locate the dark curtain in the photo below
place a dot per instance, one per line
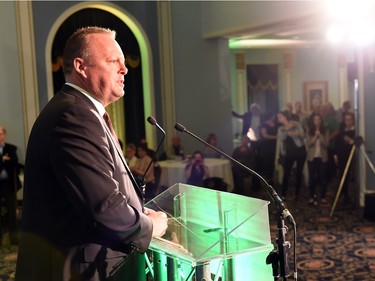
(134, 110)
(263, 88)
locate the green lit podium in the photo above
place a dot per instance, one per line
(211, 234)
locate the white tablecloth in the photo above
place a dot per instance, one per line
(173, 171)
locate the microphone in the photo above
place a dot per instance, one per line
(153, 122)
(275, 197)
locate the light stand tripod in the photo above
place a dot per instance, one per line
(358, 143)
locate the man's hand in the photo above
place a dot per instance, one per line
(6, 157)
(159, 221)
(147, 211)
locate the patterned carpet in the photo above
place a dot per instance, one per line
(341, 247)
(8, 257)
(337, 247)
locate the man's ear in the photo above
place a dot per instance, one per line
(79, 66)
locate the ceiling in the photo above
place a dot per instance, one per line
(301, 31)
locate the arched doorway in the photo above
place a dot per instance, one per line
(129, 116)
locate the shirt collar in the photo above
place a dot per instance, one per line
(97, 104)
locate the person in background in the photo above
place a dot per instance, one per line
(150, 152)
(302, 117)
(317, 140)
(130, 155)
(345, 108)
(9, 184)
(196, 171)
(330, 122)
(207, 151)
(176, 150)
(290, 136)
(244, 155)
(344, 144)
(316, 109)
(83, 216)
(250, 119)
(140, 170)
(267, 146)
(289, 109)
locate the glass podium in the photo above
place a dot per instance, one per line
(211, 234)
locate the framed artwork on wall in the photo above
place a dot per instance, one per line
(315, 94)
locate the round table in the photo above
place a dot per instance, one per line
(173, 171)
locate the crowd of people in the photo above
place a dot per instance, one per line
(143, 161)
(312, 147)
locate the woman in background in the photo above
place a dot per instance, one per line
(317, 141)
(207, 151)
(140, 169)
(290, 136)
(130, 156)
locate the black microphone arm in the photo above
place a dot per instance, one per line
(272, 193)
(153, 122)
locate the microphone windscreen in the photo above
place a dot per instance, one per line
(151, 120)
(179, 127)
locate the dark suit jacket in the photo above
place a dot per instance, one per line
(246, 120)
(80, 209)
(11, 166)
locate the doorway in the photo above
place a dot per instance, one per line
(262, 85)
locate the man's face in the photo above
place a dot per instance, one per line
(198, 158)
(176, 140)
(2, 135)
(130, 152)
(105, 69)
(298, 106)
(348, 120)
(141, 152)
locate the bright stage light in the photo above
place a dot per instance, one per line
(354, 21)
(335, 34)
(362, 33)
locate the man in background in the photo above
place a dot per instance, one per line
(9, 184)
(176, 150)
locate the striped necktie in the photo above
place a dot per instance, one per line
(108, 122)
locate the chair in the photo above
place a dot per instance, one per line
(215, 183)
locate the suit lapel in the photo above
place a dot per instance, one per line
(121, 155)
(73, 91)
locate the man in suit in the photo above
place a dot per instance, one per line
(9, 184)
(252, 120)
(83, 214)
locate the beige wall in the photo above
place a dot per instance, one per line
(11, 112)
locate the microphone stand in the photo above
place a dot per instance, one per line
(152, 121)
(279, 258)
